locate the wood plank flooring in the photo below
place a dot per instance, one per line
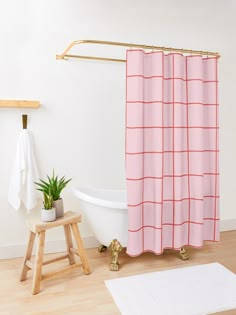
(76, 293)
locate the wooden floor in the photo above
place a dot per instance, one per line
(76, 293)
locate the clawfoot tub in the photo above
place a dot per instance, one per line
(107, 213)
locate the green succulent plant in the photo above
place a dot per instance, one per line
(52, 186)
(47, 201)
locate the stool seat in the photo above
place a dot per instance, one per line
(36, 227)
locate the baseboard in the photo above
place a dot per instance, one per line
(227, 225)
(18, 250)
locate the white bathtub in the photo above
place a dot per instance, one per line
(106, 212)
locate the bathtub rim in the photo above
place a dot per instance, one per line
(84, 196)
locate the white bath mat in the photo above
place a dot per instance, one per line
(195, 290)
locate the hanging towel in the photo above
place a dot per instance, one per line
(24, 173)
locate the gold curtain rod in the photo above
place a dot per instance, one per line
(66, 56)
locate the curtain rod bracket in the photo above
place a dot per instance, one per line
(61, 57)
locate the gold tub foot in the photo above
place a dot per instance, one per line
(102, 248)
(183, 254)
(115, 248)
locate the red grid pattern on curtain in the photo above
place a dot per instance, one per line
(171, 151)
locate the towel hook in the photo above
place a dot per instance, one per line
(24, 121)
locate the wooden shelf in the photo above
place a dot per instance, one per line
(19, 104)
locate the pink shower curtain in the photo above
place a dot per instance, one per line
(171, 151)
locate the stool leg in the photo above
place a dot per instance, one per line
(69, 243)
(38, 263)
(28, 254)
(80, 247)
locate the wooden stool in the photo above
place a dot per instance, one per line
(69, 221)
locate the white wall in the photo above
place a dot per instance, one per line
(79, 129)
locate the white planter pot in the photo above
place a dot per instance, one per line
(48, 215)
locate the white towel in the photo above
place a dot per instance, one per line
(24, 174)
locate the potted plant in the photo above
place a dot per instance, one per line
(54, 186)
(48, 213)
